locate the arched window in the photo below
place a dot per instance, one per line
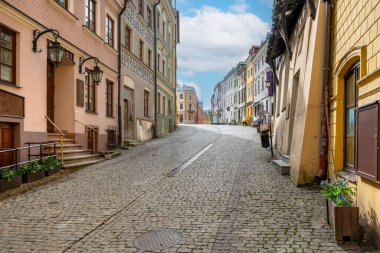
(351, 95)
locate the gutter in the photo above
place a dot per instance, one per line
(324, 142)
(155, 64)
(119, 70)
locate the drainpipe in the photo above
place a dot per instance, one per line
(155, 63)
(119, 70)
(324, 149)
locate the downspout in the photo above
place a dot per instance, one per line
(324, 149)
(119, 70)
(155, 64)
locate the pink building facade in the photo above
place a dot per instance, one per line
(33, 89)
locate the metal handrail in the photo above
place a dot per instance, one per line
(61, 136)
(93, 129)
(94, 135)
(59, 130)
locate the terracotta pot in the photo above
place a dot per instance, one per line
(5, 185)
(344, 220)
(31, 177)
(53, 171)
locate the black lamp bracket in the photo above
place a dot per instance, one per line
(37, 34)
(82, 61)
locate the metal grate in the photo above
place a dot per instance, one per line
(157, 240)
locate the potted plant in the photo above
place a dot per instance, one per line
(9, 179)
(51, 166)
(32, 172)
(342, 215)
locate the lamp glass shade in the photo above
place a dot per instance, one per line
(97, 74)
(56, 52)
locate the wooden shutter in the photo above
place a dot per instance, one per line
(80, 93)
(367, 149)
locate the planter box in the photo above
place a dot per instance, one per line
(5, 185)
(53, 171)
(31, 177)
(344, 220)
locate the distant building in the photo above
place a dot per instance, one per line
(187, 105)
(200, 113)
(207, 117)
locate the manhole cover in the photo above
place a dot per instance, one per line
(157, 240)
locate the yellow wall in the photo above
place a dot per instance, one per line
(355, 38)
(249, 82)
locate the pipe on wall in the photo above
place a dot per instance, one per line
(155, 63)
(119, 70)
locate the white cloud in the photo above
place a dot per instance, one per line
(240, 7)
(216, 40)
(194, 85)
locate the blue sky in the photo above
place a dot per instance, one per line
(215, 36)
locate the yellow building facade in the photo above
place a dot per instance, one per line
(249, 90)
(355, 84)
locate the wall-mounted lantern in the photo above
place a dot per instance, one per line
(55, 51)
(96, 72)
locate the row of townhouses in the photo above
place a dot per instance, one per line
(93, 74)
(244, 95)
(322, 67)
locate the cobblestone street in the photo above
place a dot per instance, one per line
(228, 200)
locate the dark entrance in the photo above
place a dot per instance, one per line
(50, 95)
(91, 143)
(6, 142)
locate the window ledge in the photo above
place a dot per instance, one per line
(92, 34)
(65, 12)
(110, 48)
(91, 112)
(10, 85)
(347, 174)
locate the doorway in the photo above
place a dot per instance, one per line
(292, 110)
(6, 142)
(91, 143)
(50, 96)
(170, 116)
(129, 128)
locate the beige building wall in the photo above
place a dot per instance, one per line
(355, 40)
(189, 107)
(298, 99)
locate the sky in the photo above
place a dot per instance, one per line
(214, 36)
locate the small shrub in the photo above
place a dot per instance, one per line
(338, 191)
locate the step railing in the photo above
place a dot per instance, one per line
(61, 136)
(93, 135)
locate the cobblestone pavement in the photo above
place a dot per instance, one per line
(229, 200)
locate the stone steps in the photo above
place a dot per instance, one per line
(82, 164)
(80, 159)
(282, 167)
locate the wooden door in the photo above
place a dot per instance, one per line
(91, 144)
(6, 142)
(128, 119)
(50, 96)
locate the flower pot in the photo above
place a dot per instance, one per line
(5, 185)
(31, 177)
(53, 171)
(344, 220)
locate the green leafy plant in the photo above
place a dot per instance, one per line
(50, 163)
(338, 191)
(8, 174)
(33, 167)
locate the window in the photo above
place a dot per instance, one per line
(350, 116)
(89, 92)
(262, 82)
(128, 33)
(190, 105)
(170, 73)
(190, 96)
(181, 106)
(141, 50)
(146, 103)
(158, 62)
(90, 14)
(109, 99)
(141, 7)
(158, 20)
(150, 58)
(181, 118)
(149, 16)
(163, 28)
(159, 103)
(181, 96)
(63, 3)
(163, 66)
(8, 55)
(109, 31)
(164, 105)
